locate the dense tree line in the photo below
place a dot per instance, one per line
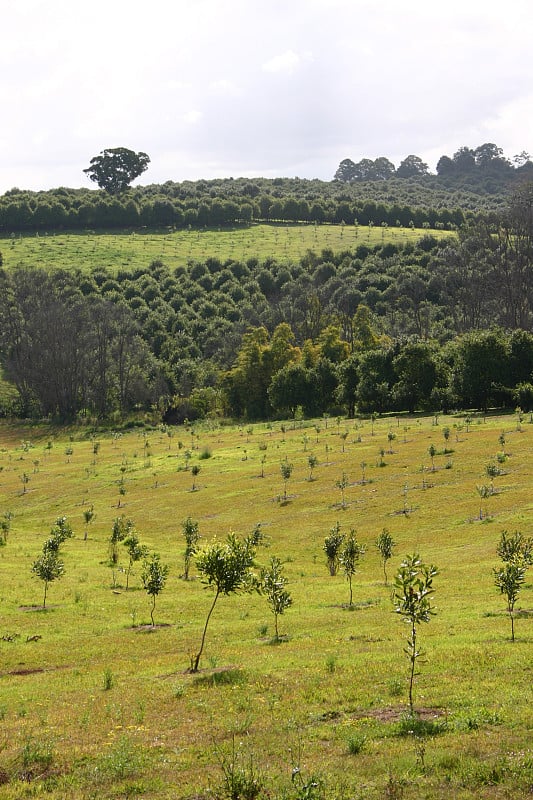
(485, 164)
(237, 334)
(75, 210)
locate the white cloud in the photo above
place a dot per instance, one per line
(286, 62)
(209, 88)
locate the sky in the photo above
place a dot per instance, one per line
(249, 88)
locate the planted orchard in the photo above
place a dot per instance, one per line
(154, 727)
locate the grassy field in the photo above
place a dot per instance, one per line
(131, 250)
(95, 703)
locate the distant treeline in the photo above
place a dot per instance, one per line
(65, 209)
(216, 335)
(421, 202)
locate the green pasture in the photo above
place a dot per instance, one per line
(95, 703)
(131, 250)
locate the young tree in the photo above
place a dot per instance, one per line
(385, 544)
(136, 551)
(48, 568)
(515, 547)
(122, 528)
(332, 548)
(88, 516)
(5, 526)
(154, 576)
(312, 461)
(341, 484)
(509, 579)
(349, 559)
(195, 471)
(413, 589)
(116, 167)
(192, 536)
(484, 492)
(273, 584)
(227, 568)
(286, 472)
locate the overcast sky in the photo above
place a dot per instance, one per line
(219, 88)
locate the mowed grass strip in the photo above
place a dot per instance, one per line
(89, 681)
(130, 250)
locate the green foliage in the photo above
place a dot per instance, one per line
(385, 544)
(240, 779)
(154, 576)
(226, 567)
(332, 548)
(115, 168)
(121, 530)
(48, 567)
(516, 553)
(412, 599)
(515, 547)
(5, 527)
(273, 584)
(286, 472)
(349, 558)
(190, 529)
(136, 552)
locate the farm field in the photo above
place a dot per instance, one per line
(130, 250)
(95, 702)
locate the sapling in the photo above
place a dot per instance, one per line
(136, 551)
(509, 579)
(227, 567)
(432, 450)
(192, 536)
(413, 588)
(385, 544)
(5, 525)
(341, 484)
(88, 516)
(312, 461)
(484, 492)
(48, 567)
(195, 471)
(154, 576)
(332, 548)
(515, 547)
(286, 472)
(349, 559)
(273, 584)
(122, 528)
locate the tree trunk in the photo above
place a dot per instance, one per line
(199, 654)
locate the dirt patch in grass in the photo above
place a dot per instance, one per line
(150, 628)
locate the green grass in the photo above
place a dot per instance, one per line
(130, 250)
(94, 702)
